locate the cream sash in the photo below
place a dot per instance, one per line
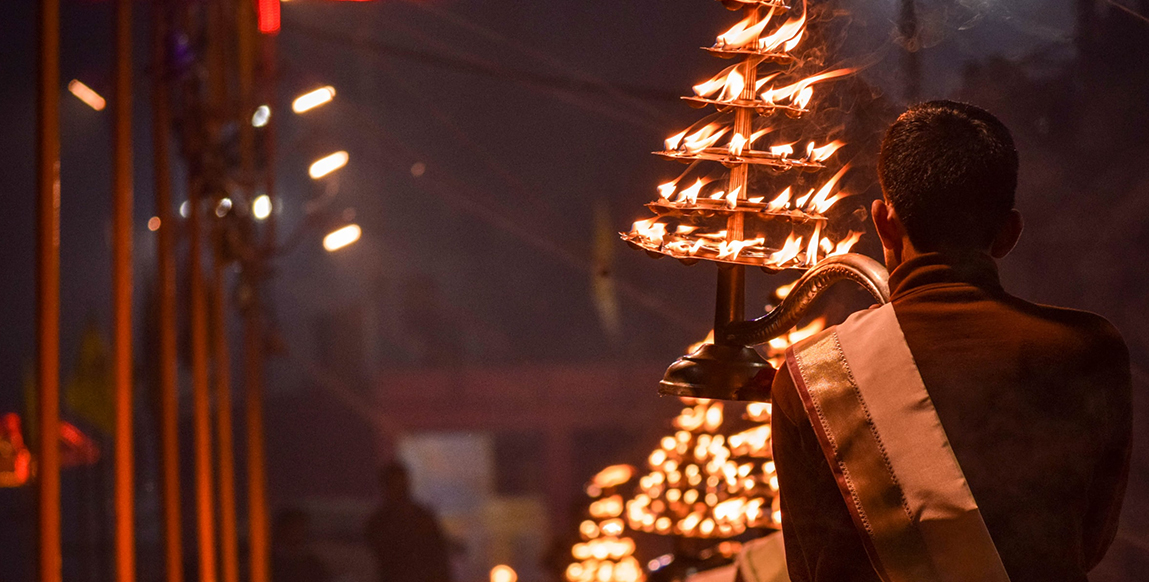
(889, 453)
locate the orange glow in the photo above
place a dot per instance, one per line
(154, 223)
(730, 80)
(799, 94)
(821, 154)
(313, 99)
(798, 334)
(788, 251)
(342, 237)
(651, 230)
(87, 95)
(503, 573)
(15, 458)
(737, 143)
(846, 244)
(782, 150)
(703, 138)
(690, 195)
(822, 201)
(743, 33)
(787, 36)
(613, 476)
(782, 201)
(327, 164)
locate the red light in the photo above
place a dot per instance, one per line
(268, 14)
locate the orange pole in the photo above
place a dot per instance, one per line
(229, 548)
(253, 339)
(166, 274)
(256, 477)
(48, 290)
(201, 398)
(124, 497)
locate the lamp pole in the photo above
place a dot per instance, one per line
(166, 283)
(48, 290)
(124, 496)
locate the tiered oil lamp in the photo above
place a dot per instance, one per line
(714, 476)
(706, 480)
(606, 553)
(769, 218)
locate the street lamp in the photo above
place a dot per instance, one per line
(87, 95)
(261, 116)
(327, 164)
(313, 99)
(261, 207)
(341, 237)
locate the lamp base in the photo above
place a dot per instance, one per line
(722, 372)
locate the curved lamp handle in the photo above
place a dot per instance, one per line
(866, 272)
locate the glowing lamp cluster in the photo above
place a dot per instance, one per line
(706, 480)
(775, 224)
(605, 553)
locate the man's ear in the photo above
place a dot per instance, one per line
(888, 227)
(1008, 235)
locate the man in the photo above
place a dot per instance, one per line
(1023, 478)
(404, 536)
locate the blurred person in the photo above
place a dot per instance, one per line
(405, 537)
(292, 559)
(958, 433)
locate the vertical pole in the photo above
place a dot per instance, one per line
(48, 290)
(731, 301)
(253, 410)
(253, 340)
(220, 111)
(227, 532)
(201, 397)
(124, 496)
(166, 274)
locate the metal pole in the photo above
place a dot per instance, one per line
(253, 340)
(220, 111)
(48, 290)
(731, 301)
(253, 409)
(201, 397)
(227, 531)
(166, 274)
(124, 496)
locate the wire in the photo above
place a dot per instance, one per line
(471, 65)
(1128, 10)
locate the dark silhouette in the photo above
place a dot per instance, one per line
(292, 560)
(405, 537)
(1035, 400)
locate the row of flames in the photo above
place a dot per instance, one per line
(705, 481)
(676, 230)
(605, 553)
(705, 484)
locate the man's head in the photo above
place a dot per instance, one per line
(948, 172)
(394, 482)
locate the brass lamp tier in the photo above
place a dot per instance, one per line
(734, 229)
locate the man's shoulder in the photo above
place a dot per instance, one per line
(1080, 332)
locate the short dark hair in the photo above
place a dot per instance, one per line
(950, 172)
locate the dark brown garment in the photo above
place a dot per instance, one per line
(1036, 402)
